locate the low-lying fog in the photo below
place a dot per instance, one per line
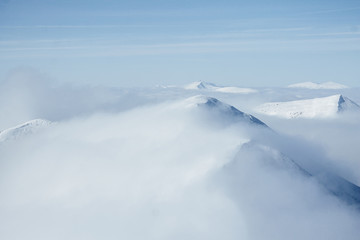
(154, 164)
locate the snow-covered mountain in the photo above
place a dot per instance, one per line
(336, 185)
(200, 85)
(311, 85)
(24, 129)
(225, 112)
(309, 108)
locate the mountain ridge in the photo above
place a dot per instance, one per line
(324, 107)
(222, 109)
(23, 129)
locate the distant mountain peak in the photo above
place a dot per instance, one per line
(309, 108)
(23, 129)
(200, 85)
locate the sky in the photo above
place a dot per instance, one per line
(147, 43)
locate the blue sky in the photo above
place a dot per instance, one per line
(145, 43)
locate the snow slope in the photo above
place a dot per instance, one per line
(24, 129)
(200, 85)
(212, 87)
(309, 108)
(336, 185)
(225, 112)
(311, 85)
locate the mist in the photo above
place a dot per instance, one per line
(27, 94)
(165, 169)
(337, 138)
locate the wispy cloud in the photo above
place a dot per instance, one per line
(330, 34)
(69, 26)
(330, 11)
(294, 29)
(192, 47)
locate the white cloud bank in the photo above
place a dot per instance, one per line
(311, 85)
(167, 171)
(126, 164)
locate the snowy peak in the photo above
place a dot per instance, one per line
(212, 87)
(311, 85)
(345, 104)
(309, 108)
(24, 129)
(225, 112)
(336, 185)
(274, 157)
(200, 85)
